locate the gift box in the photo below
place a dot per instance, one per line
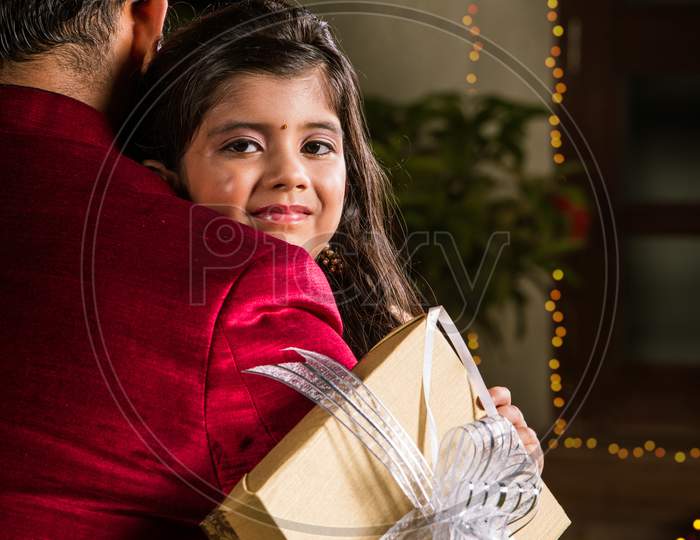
(320, 481)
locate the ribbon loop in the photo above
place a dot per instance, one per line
(482, 478)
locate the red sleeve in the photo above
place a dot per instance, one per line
(282, 299)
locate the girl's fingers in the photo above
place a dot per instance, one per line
(513, 414)
(500, 395)
(532, 446)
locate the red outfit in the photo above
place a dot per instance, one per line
(127, 318)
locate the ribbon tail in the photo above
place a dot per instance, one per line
(313, 385)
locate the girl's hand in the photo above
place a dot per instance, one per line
(504, 407)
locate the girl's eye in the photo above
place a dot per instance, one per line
(242, 146)
(314, 146)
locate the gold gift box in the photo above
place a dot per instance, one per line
(321, 482)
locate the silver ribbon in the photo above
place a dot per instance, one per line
(483, 479)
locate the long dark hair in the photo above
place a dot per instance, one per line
(373, 292)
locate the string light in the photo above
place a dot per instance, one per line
(475, 53)
(649, 449)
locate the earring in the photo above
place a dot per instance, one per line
(331, 260)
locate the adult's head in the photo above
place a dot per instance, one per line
(90, 50)
(234, 62)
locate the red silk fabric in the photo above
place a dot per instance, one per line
(127, 318)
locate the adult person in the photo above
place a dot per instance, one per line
(127, 313)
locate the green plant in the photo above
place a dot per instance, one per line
(460, 167)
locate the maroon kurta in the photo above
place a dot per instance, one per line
(127, 318)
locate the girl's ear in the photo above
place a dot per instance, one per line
(166, 174)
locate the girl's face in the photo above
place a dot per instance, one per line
(270, 155)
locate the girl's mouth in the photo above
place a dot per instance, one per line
(281, 213)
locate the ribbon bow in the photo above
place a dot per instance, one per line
(483, 478)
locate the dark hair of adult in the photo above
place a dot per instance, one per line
(75, 29)
(271, 37)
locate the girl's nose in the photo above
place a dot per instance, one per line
(288, 174)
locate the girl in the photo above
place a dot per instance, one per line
(255, 111)
(263, 121)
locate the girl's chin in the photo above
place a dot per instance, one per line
(312, 247)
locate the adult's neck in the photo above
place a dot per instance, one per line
(45, 72)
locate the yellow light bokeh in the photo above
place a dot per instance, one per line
(549, 305)
(556, 387)
(558, 402)
(552, 4)
(568, 442)
(679, 457)
(591, 443)
(558, 274)
(474, 56)
(553, 120)
(649, 446)
(556, 143)
(557, 98)
(613, 448)
(554, 363)
(557, 316)
(477, 360)
(623, 453)
(558, 30)
(557, 341)
(696, 524)
(637, 452)
(555, 134)
(466, 20)
(550, 62)
(471, 78)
